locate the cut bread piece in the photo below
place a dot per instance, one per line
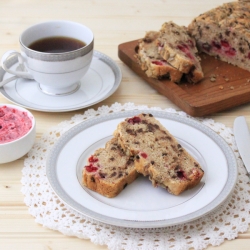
(158, 154)
(109, 170)
(178, 48)
(151, 62)
(224, 32)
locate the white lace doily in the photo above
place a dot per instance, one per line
(225, 223)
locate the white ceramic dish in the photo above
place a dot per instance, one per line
(140, 205)
(102, 80)
(13, 150)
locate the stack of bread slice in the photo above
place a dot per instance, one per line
(141, 145)
(170, 53)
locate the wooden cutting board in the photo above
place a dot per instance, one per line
(223, 87)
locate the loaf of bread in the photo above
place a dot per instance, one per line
(158, 154)
(109, 170)
(151, 61)
(224, 32)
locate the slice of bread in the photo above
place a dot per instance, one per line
(158, 154)
(178, 48)
(151, 62)
(109, 170)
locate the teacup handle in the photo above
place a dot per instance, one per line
(23, 71)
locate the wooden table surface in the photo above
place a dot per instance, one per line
(113, 22)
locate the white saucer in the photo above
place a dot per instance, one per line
(101, 81)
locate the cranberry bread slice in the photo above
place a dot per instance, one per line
(179, 49)
(224, 32)
(158, 154)
(109, 170)
(151, 62)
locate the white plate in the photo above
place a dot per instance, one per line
(140, 205)
(101, 81)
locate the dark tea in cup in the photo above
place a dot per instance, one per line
(57, 44)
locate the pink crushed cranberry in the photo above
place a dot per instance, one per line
(181, 174)
(224, 43)
(144, 155)
(92, 159)
(157, 63)
(91, 168)
(231, 52)
(134, 120)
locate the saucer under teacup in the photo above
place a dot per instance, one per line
(101, 80)
(63, 91)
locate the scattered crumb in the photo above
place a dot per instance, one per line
(232, 87)
(226, 79)
(248, 80)
(7, 186)
(221, 87)
(212, 79)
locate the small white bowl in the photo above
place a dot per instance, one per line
(13, 150)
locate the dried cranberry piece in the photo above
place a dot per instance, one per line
(90, 168)
(102, 175)
(181, 174)
(248, 55)
(231, 52)
(216, 45)
(184, 48)
(189, 55)
(92, 158)
(134, 120)
(144, 155)
(157, 63)
(224, 43)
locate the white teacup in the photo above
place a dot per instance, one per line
(59, 72)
